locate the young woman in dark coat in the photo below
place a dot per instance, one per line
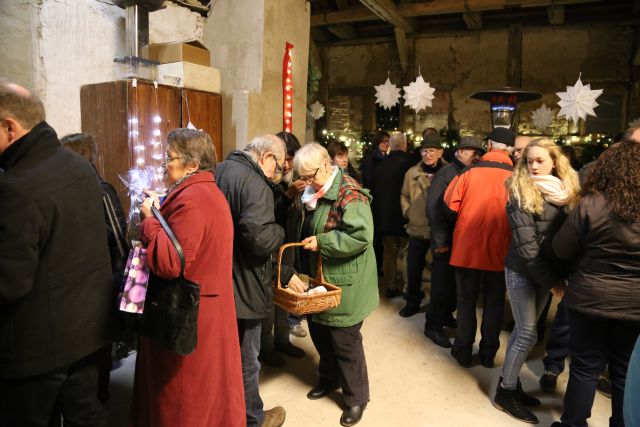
(542, 189)
(602, 235)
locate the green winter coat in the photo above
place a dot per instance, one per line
(347, 253)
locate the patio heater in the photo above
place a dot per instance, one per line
(504, 104)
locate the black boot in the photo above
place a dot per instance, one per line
(507, 401)
(352, 415)
(525, 399)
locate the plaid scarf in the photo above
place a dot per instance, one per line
(349, 191)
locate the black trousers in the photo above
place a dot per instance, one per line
(442, 296)
(596, 341)
(342, 361)
(30, 402)
(468, 284)
(416, 261)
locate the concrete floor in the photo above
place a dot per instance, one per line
(414, 383)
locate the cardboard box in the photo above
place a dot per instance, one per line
(192, 76)
(191, 51)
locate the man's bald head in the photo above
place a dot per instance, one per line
(20, 104)
(521, 143)
(398, 141)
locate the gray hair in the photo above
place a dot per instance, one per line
(309, 157)
(397, 141)
(263, 143)
(500, 146)
(21, 104)
(194, 146)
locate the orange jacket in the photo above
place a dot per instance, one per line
(479, 197)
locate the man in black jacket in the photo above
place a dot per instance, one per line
(244, 178)
(387, 213)
(56, 295)
(442, 299)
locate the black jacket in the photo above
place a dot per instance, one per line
(606, 282)
(440, 223)
(57, 300)
(387, 186)
(256, 235)
(528, 231)
(370, 162)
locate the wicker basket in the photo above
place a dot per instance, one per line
(300, 304)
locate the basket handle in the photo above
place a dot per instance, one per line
(319, 275)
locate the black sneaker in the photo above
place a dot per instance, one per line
(604, 386)
(409, 310)
(507, 401)
(549, 381)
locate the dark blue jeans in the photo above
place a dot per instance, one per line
(416, 261)
(596, 341)
(558, 344)
(249, 331)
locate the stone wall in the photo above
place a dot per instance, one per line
(459, 65)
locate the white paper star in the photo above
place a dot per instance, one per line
(578, 101)
(317, 110)
(418, 95)
(387, 94)
(542, 117)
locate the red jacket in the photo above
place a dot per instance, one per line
(479, 197)
(204, 388)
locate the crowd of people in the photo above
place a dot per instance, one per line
(504, 217)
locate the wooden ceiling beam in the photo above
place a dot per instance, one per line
(342, 31)
(435, 7)
(403, 48)
(473, 20)
(387, 11)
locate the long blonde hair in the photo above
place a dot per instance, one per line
(525, 192)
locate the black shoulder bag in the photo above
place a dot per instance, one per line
(170, 314)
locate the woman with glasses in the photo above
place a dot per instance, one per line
(338, 226)
(204, 388)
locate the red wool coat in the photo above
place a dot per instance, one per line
(204, 388)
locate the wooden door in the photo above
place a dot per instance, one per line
(204, 110)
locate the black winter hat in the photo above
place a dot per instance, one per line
(503, 136)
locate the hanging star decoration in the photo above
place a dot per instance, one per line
(418, 95)
(317, 110)
(387, 94)
(578, 101)
(542, 117)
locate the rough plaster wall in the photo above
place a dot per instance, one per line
(15, 22)
(457, 66)
(552, 59)
(368, 65)
(285, 21)
(233, 33)
(77, 43)
(175, 23)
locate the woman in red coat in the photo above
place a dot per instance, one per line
(204, 388)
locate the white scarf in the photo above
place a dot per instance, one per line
(553, 190)
(310, 196)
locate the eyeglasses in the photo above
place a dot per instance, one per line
(309, 177)
(429, 151)
(168, 160)
(279, 168)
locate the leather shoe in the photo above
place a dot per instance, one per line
(391, 293)
(320, 391)
(486, 361)
(352, 415)
(409, 310)
(290, 350)
(451, 322)
(462, 357)
(438, 337)
(274, 417)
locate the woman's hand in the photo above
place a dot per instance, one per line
(295, 188)
(311, 243)
(145, 206)
(297, 285)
